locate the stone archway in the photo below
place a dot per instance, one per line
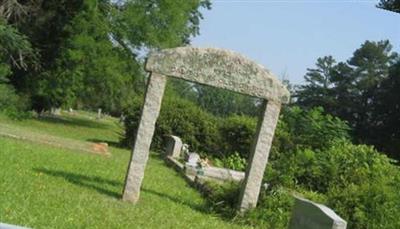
(218, 68)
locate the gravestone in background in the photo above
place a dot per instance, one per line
(218, 68)
(309, 215)
(174, 146)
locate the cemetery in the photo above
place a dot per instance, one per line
(199, 114)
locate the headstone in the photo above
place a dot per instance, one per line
(218, 68)
(309, 215)
(99, 113)
(122, 118)
(174, 146)
(57, 111)
(193, 159)
(185, 150)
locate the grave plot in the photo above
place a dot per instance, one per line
(194, 168)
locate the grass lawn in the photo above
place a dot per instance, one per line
(46, 187)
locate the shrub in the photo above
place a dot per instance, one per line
(273, 210)
(308, 129)
(178, 117)
(296, 128)
(233, 161)
(356, 181)
(237, 134)
(12, 104)
(222, 198)
(311, 154)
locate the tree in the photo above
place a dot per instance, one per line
(370, 63)
(91, 51)
(90, 72)
(149, 24)
(15, 51)
(354, 90)
(224, 103)
(387, 114)
(392, 5)
(318, 90)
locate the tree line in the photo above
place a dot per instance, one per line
(86, 54)
(364, 91)
(89, 54)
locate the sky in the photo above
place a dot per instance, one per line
(288, 36)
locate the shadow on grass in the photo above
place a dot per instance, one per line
(97, 183)
(73, 121)
(91, 182)
(176, 199)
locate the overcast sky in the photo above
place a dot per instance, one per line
(288, 36)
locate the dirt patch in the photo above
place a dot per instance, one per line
(67, 143)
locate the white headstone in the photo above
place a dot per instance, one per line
(193, 159)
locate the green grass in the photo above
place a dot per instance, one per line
(78, 126)
(46, 187)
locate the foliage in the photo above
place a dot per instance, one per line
(312, 128)
(15, 51)
(353, 91)
(91, 51)
(233, 161)
(156, 23)
(392, 5)
(222, 197)
(237, 133)
(224, 103)
(90, 72)
(178, 117)
(387, 133)
(273, 211)
(222, 137)
(355, 180)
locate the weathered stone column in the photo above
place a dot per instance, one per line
(259, 155)
(144, 135)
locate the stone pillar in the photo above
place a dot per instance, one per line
(259, 155)
(174, 146)
(144, 135)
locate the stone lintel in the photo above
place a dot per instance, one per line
(218, 68)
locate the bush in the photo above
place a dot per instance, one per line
(298, 128)
(356, 181)
(237, 134)
(273, 210)
(181, 118)
(311, 154)
(233, 161)
(11, 104)
(222, 198)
